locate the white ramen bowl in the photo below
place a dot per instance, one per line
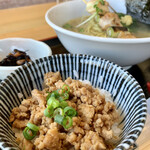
(125, 52)
(35, 49)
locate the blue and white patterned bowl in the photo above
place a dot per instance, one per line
(125, 90)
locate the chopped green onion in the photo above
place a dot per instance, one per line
(97, 18)
(67, 122)
(32, 126)
(48, 112)
(48, 96)
(60, 91)
(102, 2)
(64, 96)
(50, 100)
(67, 26)
(81, 30)
(57, 107)
(69, 111)
(55, 94)
(53, 102)
(58, 111)
(66, 88)
(97, 9)
(120, 15)
(110, 32)
(63, 104)
(29, 134)
(59, 119)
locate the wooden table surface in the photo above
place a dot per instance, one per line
(143, 141)
(27, 22)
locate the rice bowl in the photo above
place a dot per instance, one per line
(125, 92)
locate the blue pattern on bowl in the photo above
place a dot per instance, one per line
(125, 90)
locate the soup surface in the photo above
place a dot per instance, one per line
(139, 30)
(90, 28)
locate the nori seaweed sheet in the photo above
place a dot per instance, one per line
(139, 9)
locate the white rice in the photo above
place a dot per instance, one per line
(105, 94)
(20, 95)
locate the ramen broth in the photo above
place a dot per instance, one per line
(139, 30)
(90, 28)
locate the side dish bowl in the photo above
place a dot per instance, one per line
(35, 49)
(125, 91)
(125, 52)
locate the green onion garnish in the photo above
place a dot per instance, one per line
(81, 30)
(53, 102)
(58, 111)
(60, 94)
(48, 96)
(67, 26)
(64, 96)
(59, 119)
(67, 122)
(102, 2)
(29, 134)
(97, 9)
(48, 112)
(55, 94)
(63, 104)
(58, 108)
(66, 88)
(110, 32)
(120, 15)
(33, 127)
(69, 111)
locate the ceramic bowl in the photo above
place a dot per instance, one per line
(35, 49)
(125, 52)
(125, 92)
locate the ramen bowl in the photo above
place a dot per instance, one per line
(35, 49)
(125, 52)
(125, 91)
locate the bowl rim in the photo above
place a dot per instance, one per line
(24, 39)
(88, 37)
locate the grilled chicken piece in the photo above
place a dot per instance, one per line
(109, 20)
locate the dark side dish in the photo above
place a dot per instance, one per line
(16, 58)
